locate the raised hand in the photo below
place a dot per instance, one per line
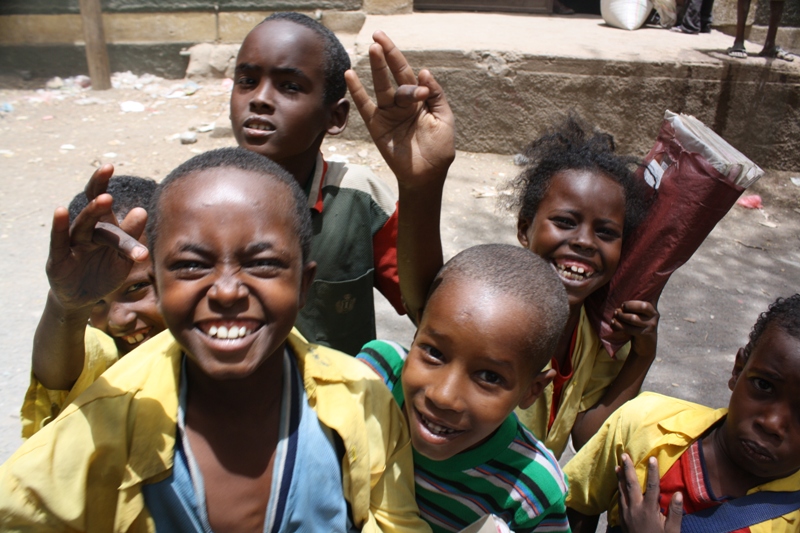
(93, 257)
(640, 320)
(413, 125)
(640, 513)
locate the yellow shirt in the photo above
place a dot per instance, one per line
(593, 371)
(658, 426)
(84, 470)
(41, 405)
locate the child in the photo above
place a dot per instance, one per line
(230, 420)
(706, 456)
(289, 93)
(491, 322)
(68, 355)
(770, 49)
(577, 202)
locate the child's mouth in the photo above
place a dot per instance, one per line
(228, 329)
(435, 429)
(256, 126)
(574, 272)
(136, 337)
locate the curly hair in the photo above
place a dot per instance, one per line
(574, 145)
(335, 60)
(128, 192)
(783, 313)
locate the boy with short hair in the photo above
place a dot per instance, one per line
(229, 421)
(120, 308)
(491, 322)
(706, 456)
(289, 92)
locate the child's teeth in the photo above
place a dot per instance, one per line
(222, 332)
(212, 331)
(242, 331)
(139, 337)
(233, 332)
(130, 340)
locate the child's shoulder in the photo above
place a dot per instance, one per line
(651, 406)
(360, 178)
(535, 459)
(328, 364)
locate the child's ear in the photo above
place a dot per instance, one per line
(523, 226)
(536, 388)
(309, 271)
(338, 116)
(738, 366)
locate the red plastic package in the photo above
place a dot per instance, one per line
(690, 198)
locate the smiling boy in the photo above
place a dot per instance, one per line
(87, 284)
(489, 326)
(289, 93)
(709, 456)
(230, 421)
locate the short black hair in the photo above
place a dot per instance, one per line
(335, 61)
(572, 144)
(128, 192)
(516, 273)
(241, 159)
(783, 313)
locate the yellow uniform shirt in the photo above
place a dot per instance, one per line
(657, 426)
(41, 405)
(593, 371)
(84, 470)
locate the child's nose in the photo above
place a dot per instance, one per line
(263, 98)
(227, 290)
(775, 421)
(445, 394)
(584, 239)
(121, 318)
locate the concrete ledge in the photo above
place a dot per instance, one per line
(505, 87)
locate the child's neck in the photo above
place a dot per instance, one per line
(248, 398)
(725, 476)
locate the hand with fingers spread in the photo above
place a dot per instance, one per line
(412, 125)
(640, 513)
(640, 320)
(94, 255)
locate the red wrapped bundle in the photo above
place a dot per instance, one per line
(690, 196)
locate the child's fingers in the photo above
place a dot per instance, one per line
(673, 523)
(59, 235)
(112, 236)
(98, 183)
(653, 484)
(381, 77)
(83, 225)
(366, 107)
(135, 222)
(437, 102)
(630, 480)
(639, 307)
(409, 95)
(401, 70)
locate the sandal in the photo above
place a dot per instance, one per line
(737, 52)
(776, 52)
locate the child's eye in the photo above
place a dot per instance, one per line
(431, 352)
(137, 287)
(291, 87)
(492, 378)
(245, 81)
(563, 222)
(608, 234)
(188, 268)
(762, 385)
(263, 267)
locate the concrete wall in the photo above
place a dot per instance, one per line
(755, 108)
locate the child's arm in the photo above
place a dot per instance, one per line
(640, 513)
(640, 320)
(413, 128)
(86, 262)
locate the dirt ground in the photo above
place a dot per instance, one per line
(52, 140)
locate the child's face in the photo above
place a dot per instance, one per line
(467, 369)
(130, 314)
(277, 103)
(762, 430)
(578, 228)
(229, 270)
